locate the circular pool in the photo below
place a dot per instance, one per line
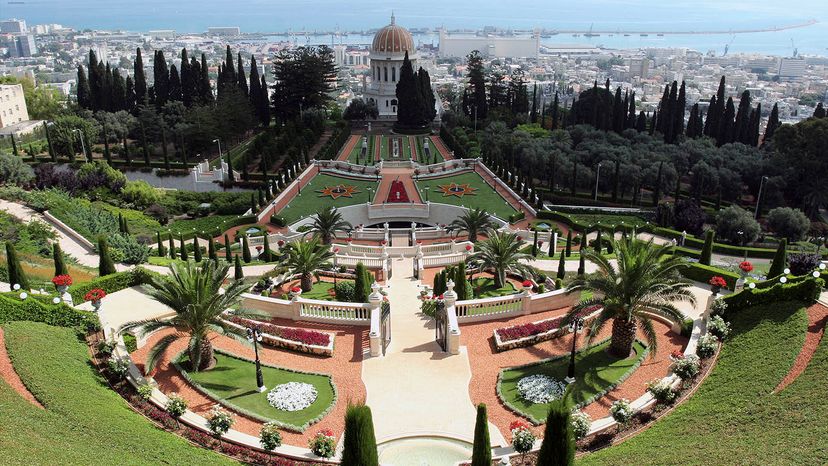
(423, 451)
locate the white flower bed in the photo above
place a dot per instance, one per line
(540, 388)
(292, 396)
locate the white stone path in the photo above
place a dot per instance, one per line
(416, 388)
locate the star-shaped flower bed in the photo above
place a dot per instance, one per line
(458, 190)
(335, 192)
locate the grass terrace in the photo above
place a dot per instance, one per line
(484, 197)
(484, 287)
(233, 382)
(595, 371)
(310, 201)
(608, 219)
(735, 416)
(85, 422)
(201, 224)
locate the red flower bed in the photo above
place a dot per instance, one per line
(397, 192)
(527, 330)
(62, 280)
(718, 281)
(306, 337)
(746, 267)
(95, 294)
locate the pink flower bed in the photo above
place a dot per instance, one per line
(306, 337)
(527, 330)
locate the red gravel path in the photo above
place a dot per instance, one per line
(345, 367)
(8, 374)
(349, 146)
(817, 319)
(441, 147)
(486, 364)
(377, 148)
(412, 142)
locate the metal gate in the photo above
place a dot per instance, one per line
(385, 326)
(441, 321)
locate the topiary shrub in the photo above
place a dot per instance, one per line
(344, 291)
(482, 451)
(269, 436)
(558, 447)
(788, 223)
(734, 219)
(359, 445)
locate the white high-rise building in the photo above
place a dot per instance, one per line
(12, 105)
(13, 26)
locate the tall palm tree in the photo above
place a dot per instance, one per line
(472, 222)
(327, 223)
(305, 258)
(195, 294)
(501, 252)
(646, 279)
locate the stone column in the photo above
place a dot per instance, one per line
(450, 298)
(375, 303)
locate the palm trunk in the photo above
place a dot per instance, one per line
(206, 354)
(623, 337)
(500, 278)
(307, 282)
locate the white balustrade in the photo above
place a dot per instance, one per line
(312, 308)
(512, 304)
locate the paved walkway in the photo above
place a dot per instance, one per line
(127, 305)
(415, 372)
(389, 175)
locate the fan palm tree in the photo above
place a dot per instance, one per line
(472, 222)
(194, 292)
(646, 279)
(327, 223)
(501, 252)
(305, 258)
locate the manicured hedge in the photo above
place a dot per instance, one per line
(720, 248)
(806, 290)
(278, 220)
(703, 273)
(517, 216)
(112, 283)
(59, 315)
(218, 231)
(580, 226)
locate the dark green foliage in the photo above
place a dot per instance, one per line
(598, 242)
(238, 273)
(196, 250)
(160, 244)
(780, 260)
(59, 315)
(482, 452)
(15, 270)
(228, 254)
(707, 250)
(558, 447)
(362, 284)
(568, 243)
(246, 250)
(57, 257)
(359, 445)
(562, 267)
(535, 244)
(105, 265)
(266, 254)
(806, 290)
(581, 265)
(182, 249)
(703, 273)
(212, 253)
(172, 248)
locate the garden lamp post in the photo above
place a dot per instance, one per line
(759, 196)
(218, 141)
(742, 241)
(575, 326)
(426, 189)
(254, 335)
(597, 176)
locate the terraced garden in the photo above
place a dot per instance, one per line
(484, 197)
(310, 200)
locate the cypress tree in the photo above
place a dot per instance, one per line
(819, 111)
(558, 446)
(581, 260)
(238, 272)
(107, 154)
(780, 260)
(266, 254)
(482, 452)
(741, 125)
(173, 254)
(196, 250)
(205, 88)
(182, 249)
(773, 123)
(562, 267)
(57, 257)
(52, 153)
(126, 226)
(598, 242)
(552, 245)
(657, 187)
(186, 80)
(160, 244)
(568, 243)
(212, 253)
(129, 95)
(707, 250)
(409, 105)
(14, 146)
(535, 243)
(360, 287)
(678, 112)
(241, 78)
(265, 102)
(161, 85)
(16, 274)
(140, 79)
(246, 250)
(105, 266)
(228, 253)
(359, 445)
(83, 91)
(120, 223)
(726, 123)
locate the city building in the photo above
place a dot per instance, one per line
(489, 46)
(386, 58)
(224, 31)
(792, 68)
(162, 34)
(13, 26)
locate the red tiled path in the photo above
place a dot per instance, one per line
(348, 148)
(8, 374)
(486, 364)
(441, 147)
(412, 143)
(817, 319)
(345, 367)
(396, 174)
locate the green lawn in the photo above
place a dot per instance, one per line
(138, 223)
(233, 381)
(356, 157)
(485, 197)
(484, 287)
(436, 155)
(310, 201)
(607, 219)
(320, 291)
(595, 371)
(734, 418)
(84, 422)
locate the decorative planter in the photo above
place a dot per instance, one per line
(62, 289)
(96, 303)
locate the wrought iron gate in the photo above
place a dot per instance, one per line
(441, 329)
(385, 326)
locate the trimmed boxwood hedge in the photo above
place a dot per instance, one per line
(806, 290)
(218, 231)
(59, 315)
(112, 283)
(703, 273)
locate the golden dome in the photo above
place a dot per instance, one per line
(393, 39)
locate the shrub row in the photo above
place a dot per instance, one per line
(217, 231)
(807, 290)
(451, 143)
(337, 140)
(579, 226)
(112, 283)
(703, 273)
(517, 216)
(59, 315)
